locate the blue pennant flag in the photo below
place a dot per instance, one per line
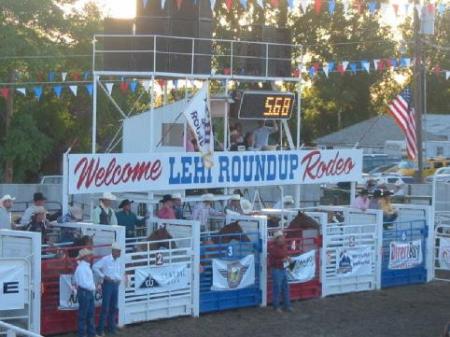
(51, 76)
(57, 89)
(330, 66)
(243, 3)
(441, 8)
(89, 88)
(37, 92)
(86, 75)
(372, 6)
(175, 84)
(133, 85)
(353, 67)
(331, 6)
(291, 4)
(394, 63)
(312, 71)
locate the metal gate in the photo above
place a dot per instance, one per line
(163, 273)
(407, 247)
(225, 261)
(20, 266)
(350, 259)
(59, 264)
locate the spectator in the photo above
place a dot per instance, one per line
(246, 206)
(6, 203)
(166, 211)
(203, 210)
(178, 206)
(288, 202)
(373, 203)
(103, 213)
(75, 214)
(128, 219)
(234, 205)
(237, 129)
(390, 214)
(84, 281)
(38, 201)
(399, 189)
(249, 141)
(39, 223)
(263, 132)
(362, 201)
(279, 261)
(111, 274)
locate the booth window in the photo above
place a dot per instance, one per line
(172, 134)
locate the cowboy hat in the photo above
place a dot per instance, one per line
(116, 246)
(7, 197)
(38, 196)
(207, 197)
(288, 199)
(83, 253)
(166, 198)
(246, 206)
(108, 196)
(177, 196)
(125, 202)
(277, 234)
(39, 210)
(76, 212)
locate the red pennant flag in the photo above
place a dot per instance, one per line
(317, 6)
(226, 71)
(358, 6)
(395, 6)
(179, 2)
(340, 69)
(430, 8)
(275, 3)
(161, 82)
(381, 65)
(123, 86)
(4, 92)
(388, 63)
(76, 75)
(316, 66)
(437, 70)
(296, 73)
(229, 4)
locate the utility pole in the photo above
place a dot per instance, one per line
(418, 91)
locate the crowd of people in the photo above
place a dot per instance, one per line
(379, 199)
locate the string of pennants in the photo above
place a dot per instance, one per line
(372, 6)
(125, 86)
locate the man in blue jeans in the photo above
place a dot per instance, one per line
(111, 274)
(279, 261)
(84, 281)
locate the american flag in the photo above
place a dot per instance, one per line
(403, 113)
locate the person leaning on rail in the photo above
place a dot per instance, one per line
(6, 203)
(103, 213)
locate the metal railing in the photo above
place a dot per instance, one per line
(176, 56)
(13, 331)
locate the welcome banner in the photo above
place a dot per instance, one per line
(139, 172)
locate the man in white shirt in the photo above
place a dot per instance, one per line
(84, 281)
(288, 202)
(111, 273)
(104, 214)
(38, 201)
(262, 134)
(203, 210)
(6, 203)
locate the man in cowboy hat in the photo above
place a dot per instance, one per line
(166, 211)
(362, 201)
(288, 202)
(234, 205)
(6, 203)
(38, 201)
(203, 210)
(111, 273)
(279, 261)
(103, 213)
(39, 223)
(178, 206)
(128, 219)
(84, 281)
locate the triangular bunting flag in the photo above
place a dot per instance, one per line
(144, 3)
(213, 4)
(407, 8)
(23, 91)
(358, 6)
(57, 89)
(330, 66)
(274, 3)
(366, 66)
(441, 8)
(291, 4)
(331, 7)
(260, 3)
(372, 7)
(405, 62)
(175, 83)
(51, 76)
(243, 3)
(437, 70)
(384, 8)
(228, 3)
(76, 75)
(325, 69)
(109, 87)
(74, 89)
(146, 84)
(394, 63)
(63, 76)
(86, 75)
(447, 75)
(312, 72)
(133, 86)
(340, 69)
(4, 92)
(37, 92)
(89, 88)
(163, 4)
(304, 5)
(179, 3)
(431, 8)
(353, 67)
(395, 7)
(376, 63)
(345, 65)
(346, 5)
(317, 6)
(418, 8)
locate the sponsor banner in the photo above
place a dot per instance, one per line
(12, 285)
(354, 261)
(131, 172)
(161, 279)
(68, 299)
(444, 253)
(232, 275)
(199, 119)
(405, 255)
(303, 267)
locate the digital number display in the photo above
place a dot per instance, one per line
(266, 105)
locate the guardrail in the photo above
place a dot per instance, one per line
(13, 331)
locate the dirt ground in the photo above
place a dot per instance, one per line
(414, 311)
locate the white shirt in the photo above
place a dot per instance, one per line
(83, 277)
(262, 135)
(201, 212)
(26, 217)
(5, 218)
(109, 267)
